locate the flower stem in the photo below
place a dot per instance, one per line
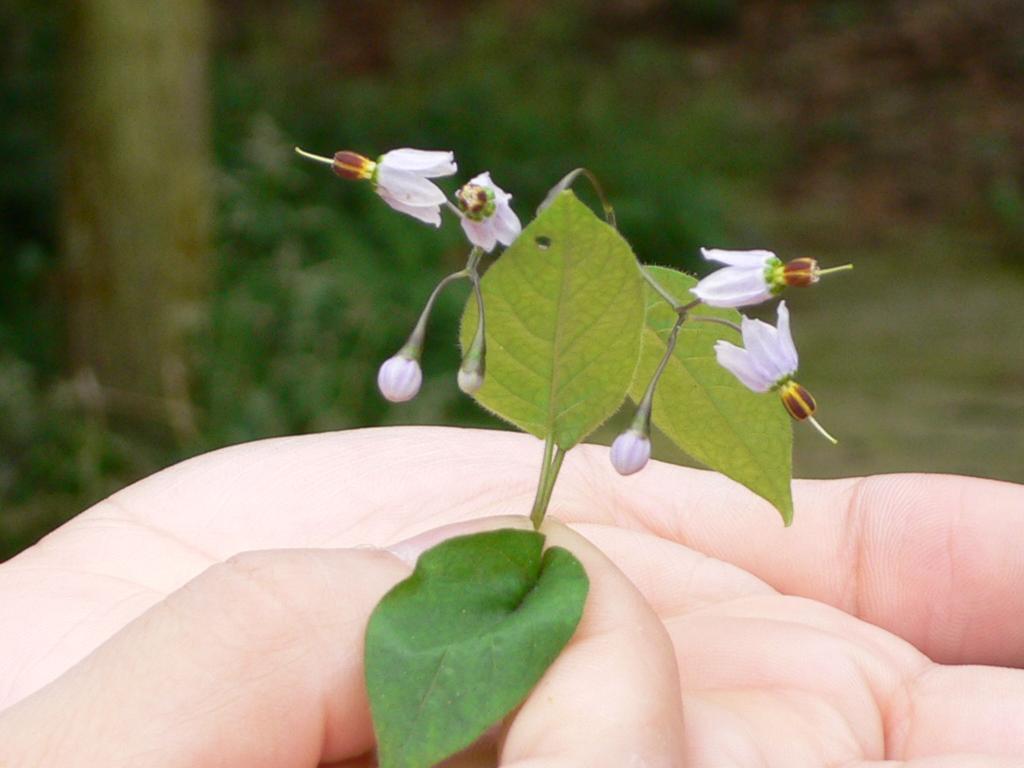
(477, 351)
(546, 482)
(660, 290)
(414, 345)
(317, 158)
(454, 209)
(473, 260)
(568, 180)
(480, 339)
(643, 411)
(719, 320)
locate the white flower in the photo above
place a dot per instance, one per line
(399, 378)
(630, 452)
(487, 218)
(401, 176)
(768, 361)
(747, 279)
(768, 356)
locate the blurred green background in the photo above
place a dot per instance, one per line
(174, 279)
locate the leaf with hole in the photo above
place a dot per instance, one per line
(460, 643)
(704, 409)
(564, 313)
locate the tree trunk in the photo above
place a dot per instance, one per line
(136, 202)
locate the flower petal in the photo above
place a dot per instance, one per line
(733, 287)
(483, 180)
(740, 364)
(761, 340)
(787, 349)
(408, 187)
(506, 224)
(422, 162)
(738, 258)
(429, 214)
(480, 233)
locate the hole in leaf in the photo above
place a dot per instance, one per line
(542, 242)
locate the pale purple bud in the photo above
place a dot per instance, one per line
(630, 452)
(399, 378)
(470, 381)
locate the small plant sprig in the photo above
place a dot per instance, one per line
(573, 326)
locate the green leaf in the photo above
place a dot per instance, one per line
(704, 409)
(564, 312)
(461, 642)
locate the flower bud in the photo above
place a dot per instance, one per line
(399, 378)
(353, 166)
(470, 381)
(798, 401)
(630, 452)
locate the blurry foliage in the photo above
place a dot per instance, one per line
(1006, 201)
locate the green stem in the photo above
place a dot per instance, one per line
(568, 180)
(660, 290)
(642, 421)
(719, 321)
(475, 355)
(414, 345)
(546, 483)
(473, 260)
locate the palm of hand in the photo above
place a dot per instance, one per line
(838, 676)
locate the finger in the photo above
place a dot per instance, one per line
(612, 697)
(673, 579)
(935, 559)
(257, 662)
(943, 761)
(959, 710)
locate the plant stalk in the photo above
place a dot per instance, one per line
(414, 345)
(546, 484)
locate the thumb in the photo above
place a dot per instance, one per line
(256, 662)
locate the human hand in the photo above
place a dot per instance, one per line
(807, 646)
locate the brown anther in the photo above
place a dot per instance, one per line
(798, 401)
(472, 198)
(352, 166)
(800, 272)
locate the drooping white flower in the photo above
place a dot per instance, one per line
(399, 378)
(401, 179)
(487, 217)
(768, 361)
(768, 356)
(751, 277)
(630, 452)
(746, 279)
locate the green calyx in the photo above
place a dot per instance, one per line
(774, 275)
